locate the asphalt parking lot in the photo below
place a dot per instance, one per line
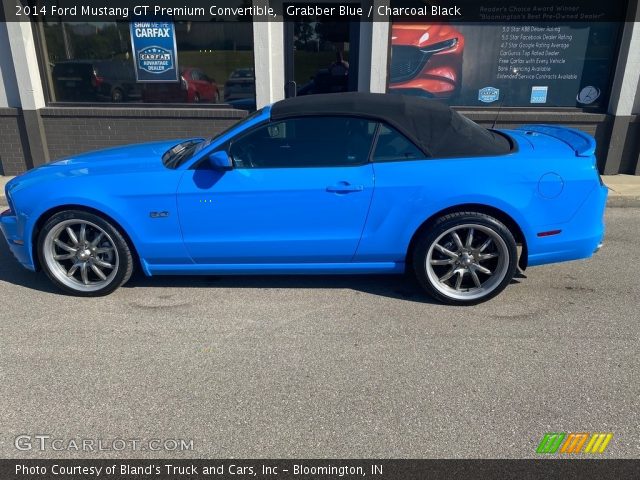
(305, 367)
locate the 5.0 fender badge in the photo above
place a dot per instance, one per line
(162, 214)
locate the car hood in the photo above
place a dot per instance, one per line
(421, 35)
(116, 160)
(127, 157)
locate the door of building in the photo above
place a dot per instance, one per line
(321, 54)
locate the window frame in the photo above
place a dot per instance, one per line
(427, 156)
(393, 129)
(49, 91)
(368, 159)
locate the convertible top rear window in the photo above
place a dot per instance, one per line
(465, 138)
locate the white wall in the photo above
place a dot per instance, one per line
(268, 39)
(625, 92)
(25, 64)
(9, 95)
(379, 53)
(635, 61)
(374, 38)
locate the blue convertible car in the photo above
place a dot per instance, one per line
(340, 183)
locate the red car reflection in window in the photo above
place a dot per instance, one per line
(426, 60)
(194, 87)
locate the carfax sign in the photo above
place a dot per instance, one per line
(154, 51)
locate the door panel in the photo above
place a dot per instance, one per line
(274, 215)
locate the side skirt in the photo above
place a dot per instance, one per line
(276, 268)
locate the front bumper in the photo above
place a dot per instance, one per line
(11, 231)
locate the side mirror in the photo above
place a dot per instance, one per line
(220, 160)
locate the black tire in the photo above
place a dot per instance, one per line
(117, 95)
(484, 270)
(110, 248)
(196, 97)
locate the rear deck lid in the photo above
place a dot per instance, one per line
(583, 144)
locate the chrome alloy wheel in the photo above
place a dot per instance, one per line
(81, 255)
(467, 262)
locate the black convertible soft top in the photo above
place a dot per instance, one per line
(435, 128)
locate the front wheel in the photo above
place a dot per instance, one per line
(465, 258)
(83, 254)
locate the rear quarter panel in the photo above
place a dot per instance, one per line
(408, 193)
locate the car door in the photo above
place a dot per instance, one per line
(299, 192)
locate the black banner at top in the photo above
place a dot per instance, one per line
(432, 11)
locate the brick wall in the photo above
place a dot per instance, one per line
(75, 130)
(71, 130)
(12, 155)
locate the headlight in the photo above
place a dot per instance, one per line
(440, 46)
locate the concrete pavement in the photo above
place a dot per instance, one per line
(624, 190)
(326, 366)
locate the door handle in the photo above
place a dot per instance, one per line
(345, 187)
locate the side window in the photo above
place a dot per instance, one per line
(305, 142)
(392, 146)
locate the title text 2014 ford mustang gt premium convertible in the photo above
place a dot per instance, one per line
(340, 183)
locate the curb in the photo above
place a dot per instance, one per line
(623, 201)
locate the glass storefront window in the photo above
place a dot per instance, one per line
(92, 62)
(321, 55)
(511, 65)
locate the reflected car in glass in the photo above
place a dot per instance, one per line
(426, 60)
(240, 85)
(95, 80)
(194, 87)
(329, 184)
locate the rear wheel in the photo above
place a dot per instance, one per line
(83, 254)
(465, 258)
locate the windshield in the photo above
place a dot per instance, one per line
(177, 155)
